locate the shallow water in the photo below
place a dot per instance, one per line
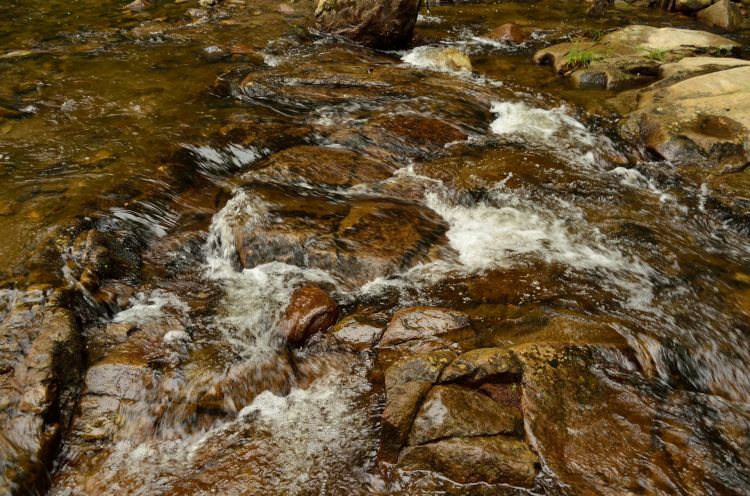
(512, 201)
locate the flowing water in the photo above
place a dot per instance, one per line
(500, 192)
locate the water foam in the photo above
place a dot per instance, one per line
(554, 130)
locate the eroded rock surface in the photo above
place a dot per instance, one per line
(378, 24)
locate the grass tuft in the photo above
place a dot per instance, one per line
(578, 59)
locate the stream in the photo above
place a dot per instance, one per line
(229, 159)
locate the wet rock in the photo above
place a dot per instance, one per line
(455, 411)
(627, 57)
(356, 334)
(704, 118)
(482, 364)
(41, 359)
(356, 240)
(383, 24)
(494, 459)
(138, 5)
(424, 367)
(401, 404)
(582, 420)
(723, 14)
(697, 66)
(116, 379)
(509, 32)
(410, 135)
(442, 59)
(422, 329)
(310, 311)
(316, 165)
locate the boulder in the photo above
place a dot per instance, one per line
(628, 57)
(422, 329)
(509, 32)
(704, 118)
(691, 6)
(482, 364)
(697, 66)
(384, 24)
(723, 14)
(310, 311)
(493, 459)
(455, 411)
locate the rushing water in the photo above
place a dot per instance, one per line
(115, 120)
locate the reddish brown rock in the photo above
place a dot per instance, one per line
(310, 311)
(423, 329)
(509, 32)
(481, 364)
(375, 23)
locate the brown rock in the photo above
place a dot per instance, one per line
(455, 411)
(401, 404)
(374, 23)
(509, 32)
(494, 459)
(356, 334)
(422, 329)
(481, 364)
(421, 367)
(321, 166)
(355, 240)
(309, 312)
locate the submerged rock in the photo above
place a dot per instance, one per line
(438, 58)
(382, 24)
(509, 32)
(310, 311)
(492, 459)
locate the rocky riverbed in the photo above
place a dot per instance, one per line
(374, 247)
